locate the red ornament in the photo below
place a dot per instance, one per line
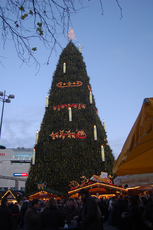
(80, 134)
(90, 183)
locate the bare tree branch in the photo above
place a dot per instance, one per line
(120, 9)
(23, 21)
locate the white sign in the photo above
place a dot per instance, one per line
(104, 175)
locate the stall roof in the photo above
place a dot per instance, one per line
(100, 188)
(9, 196)
(136, 156)
(44, 194)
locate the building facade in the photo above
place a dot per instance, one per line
(14, 167)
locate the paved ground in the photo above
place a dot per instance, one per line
(108, 227)
(105, 225)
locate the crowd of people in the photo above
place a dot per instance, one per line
(131, 212)
(87, 213)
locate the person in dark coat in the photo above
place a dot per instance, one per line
(133, 217)
(51, 218)
(69, 211)
(119, 211)
(15, 211)
(148, 212)
(23, 211)
(6, 216)
(90, 218)
(102, 206)
(31, 215)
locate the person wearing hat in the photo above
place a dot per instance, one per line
(90, 216)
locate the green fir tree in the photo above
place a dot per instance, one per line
(66, 150)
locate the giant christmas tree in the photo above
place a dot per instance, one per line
(71, 133)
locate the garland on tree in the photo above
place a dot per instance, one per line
(69, 84)
(79, 106)
(79, 134)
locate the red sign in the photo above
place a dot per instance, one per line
(24, 174)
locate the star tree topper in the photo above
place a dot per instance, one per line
(71, 35)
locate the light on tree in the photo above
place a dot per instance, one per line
(79, 48)
(70, 114)
(90, 97)
(47, 101)
(102, 153)
(34, 157)
(103, 124)
(95, 133)
(64, 67)
(37, 135)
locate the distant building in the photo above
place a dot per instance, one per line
(22, 154)
(14, 167)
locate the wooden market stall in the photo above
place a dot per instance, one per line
(11, 198)
(136, 183)
(142, 190)
(46, 195)
(100, 190)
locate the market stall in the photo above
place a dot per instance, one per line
(11, 198)
(46, 195)
(135, 179)
(99, 190)
(136, 183)
(136, 156)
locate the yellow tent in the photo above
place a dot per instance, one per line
(136, 156)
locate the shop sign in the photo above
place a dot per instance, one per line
(20, 174)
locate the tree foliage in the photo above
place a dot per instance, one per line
(66, 150)
(26, 20)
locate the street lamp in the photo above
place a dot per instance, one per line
(4, 98)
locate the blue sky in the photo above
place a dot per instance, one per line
(119, 59)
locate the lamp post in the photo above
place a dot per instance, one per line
(4, 98)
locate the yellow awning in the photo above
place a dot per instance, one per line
(136, 156)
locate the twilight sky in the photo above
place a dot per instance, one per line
(119, 59)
